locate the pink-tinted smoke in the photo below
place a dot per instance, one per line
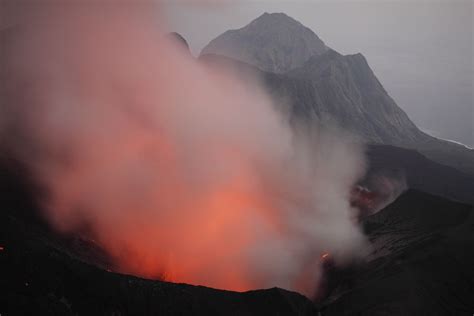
(176, 168)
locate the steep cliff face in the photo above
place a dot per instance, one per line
(273, 42)
(350, 93)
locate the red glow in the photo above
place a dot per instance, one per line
(364, 200)
(179, 170)
(204, 243)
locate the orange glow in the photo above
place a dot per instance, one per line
(205, 239)
(179, 169)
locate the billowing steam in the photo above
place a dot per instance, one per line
(177, 169)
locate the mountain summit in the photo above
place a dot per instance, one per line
(273, 42)
(319, 85)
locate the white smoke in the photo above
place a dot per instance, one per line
(176, 168)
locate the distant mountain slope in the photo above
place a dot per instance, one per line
(349, 91)
(328, 86)
(273, 42)
(420, 173)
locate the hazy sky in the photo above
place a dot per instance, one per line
(422, 51)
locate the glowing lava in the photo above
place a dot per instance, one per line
(179, 170)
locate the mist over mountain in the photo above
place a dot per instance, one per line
(425, 65)
(349, 92)
(328, 86)
(415, 232)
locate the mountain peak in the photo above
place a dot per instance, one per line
(273, 42)
(275, 16)
(276, 20)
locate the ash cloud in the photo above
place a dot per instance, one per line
(176, 168)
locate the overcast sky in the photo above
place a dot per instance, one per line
(422, 51)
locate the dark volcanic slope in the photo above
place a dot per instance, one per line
(422, 262)
(41, 280)
(44, 274)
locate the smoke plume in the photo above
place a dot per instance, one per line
(177, 169)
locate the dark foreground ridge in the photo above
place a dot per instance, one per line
(42, 280)
(42, 273)
(421, 263)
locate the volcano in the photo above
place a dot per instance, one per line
(423, 247)
(414, 204)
